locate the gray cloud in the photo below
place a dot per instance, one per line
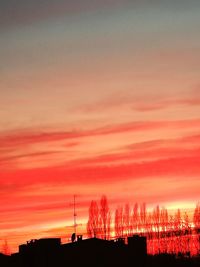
(20, 12)
(28, 11)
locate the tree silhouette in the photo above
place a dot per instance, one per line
(165, 233)
(99, 220)
(196, 220)
(143, 217)
(196, 217)
(119, 222)
(105, 217)
(93, 225)
(5, 248)
(135, 218)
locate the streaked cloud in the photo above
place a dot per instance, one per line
(96, 97)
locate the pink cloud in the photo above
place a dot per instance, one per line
(141, 103)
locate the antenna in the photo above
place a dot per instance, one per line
(73, 237)
(75, 214)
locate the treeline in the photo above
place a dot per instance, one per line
(166, 233)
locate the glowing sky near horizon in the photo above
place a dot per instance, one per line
(96, 97)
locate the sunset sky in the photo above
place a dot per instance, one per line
(96, 97)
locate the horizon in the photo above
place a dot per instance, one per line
(64, 232)
(96, 97)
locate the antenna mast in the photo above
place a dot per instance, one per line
(75, 214)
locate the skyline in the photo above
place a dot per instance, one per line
(96, 98)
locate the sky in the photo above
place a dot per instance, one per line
(96, 97)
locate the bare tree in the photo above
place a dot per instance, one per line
(105, 217)
(164, 226)
(156, 223)
(196, 218)
(5, 248)
(196, 221)
(119, 222)
(93, 224)
(143, 217)
(127, 221)
(135, 218)
(166, 233)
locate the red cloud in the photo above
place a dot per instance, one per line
(182, 166)
(140, 163)
(20, 138)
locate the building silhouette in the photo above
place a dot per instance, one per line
(92, 252)
(49, 252)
